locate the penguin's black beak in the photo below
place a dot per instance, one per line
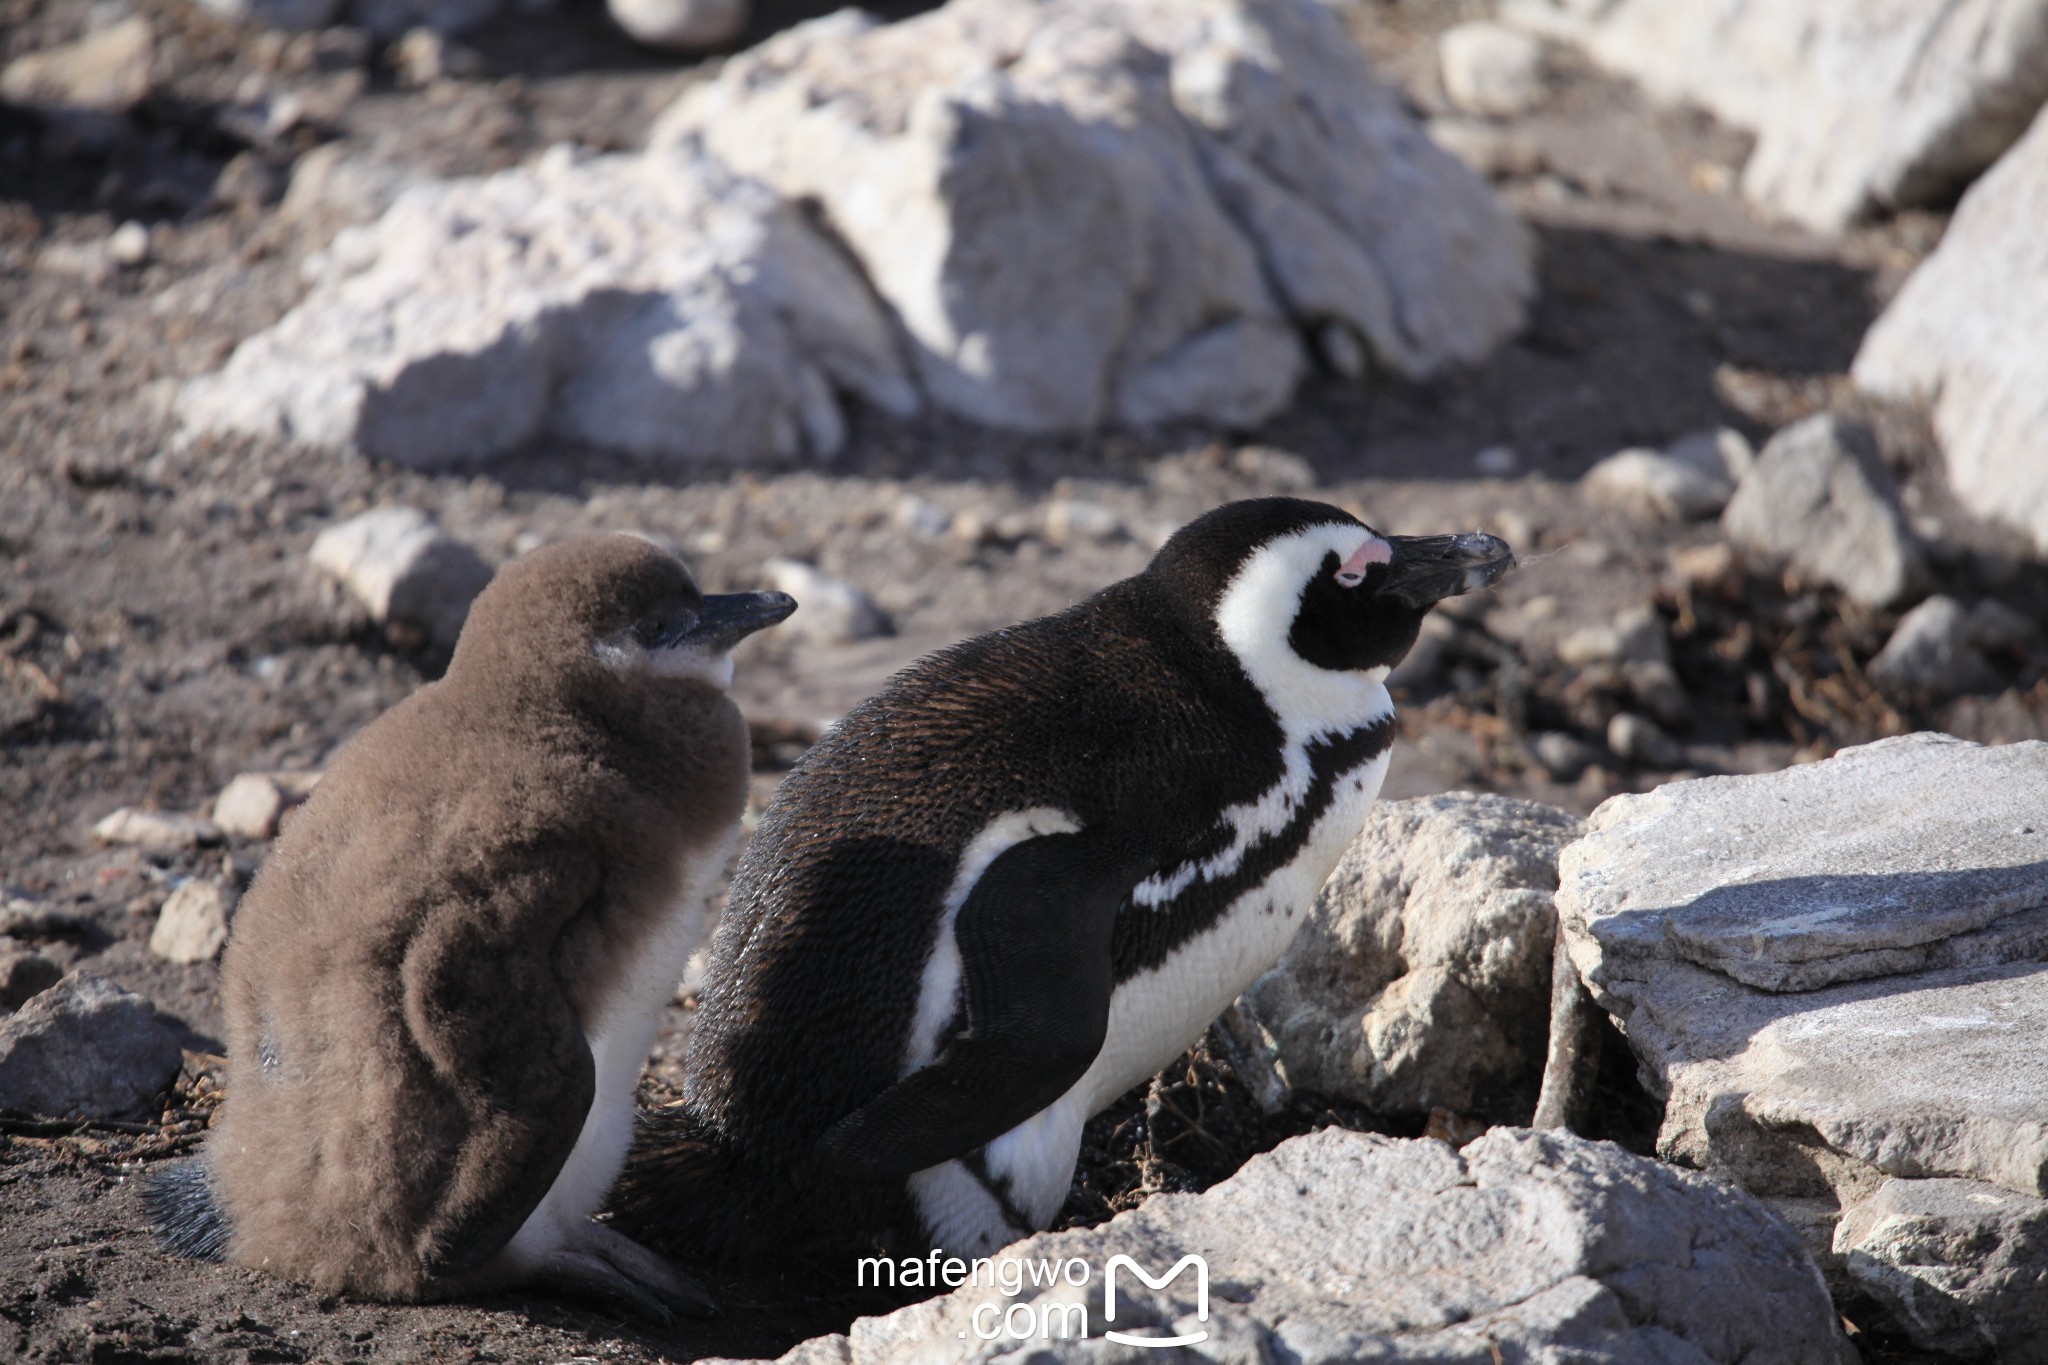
(729, 618)
(1427, 569)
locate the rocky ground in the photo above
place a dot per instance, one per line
(161, 629)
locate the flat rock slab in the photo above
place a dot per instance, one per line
(1903, 855)
(1858, 105)
(1229, 175)
(1964, 334)
(1834, 975)
(657, 305)
(1343, 1246)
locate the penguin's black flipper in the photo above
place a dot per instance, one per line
(1034, 938)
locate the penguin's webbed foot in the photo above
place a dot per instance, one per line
(599, 1263)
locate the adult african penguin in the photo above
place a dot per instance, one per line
(1023, 877)
(443, 982)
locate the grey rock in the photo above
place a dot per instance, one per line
(1931, 653)
(106, 71)
(422, 56)
(829, 610)
(1421, 976)
(1656, 684)
(1229, 174)
(1639, 740)
(1657, 487)
(23, 975)
(1489, 149)
(1959, 1265)
(86, 1048)
(656, 305)
(192, 926)
(23, 917)
(128, 244)
(1491, 69)
(1563, 756)
(1343, 1246)
(1636, 635)
(1963, 336)
(1858, 105)
(921, 517)
(252, 804)
(1833, 974)
(155, 831)
(1820, 501)
(410, 575)
(336, 179)
(1497, 462)
(1722, 453)
(1904, 855)
(683, 25)
(1076, 521)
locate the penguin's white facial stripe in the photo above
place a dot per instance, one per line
(626, 655)
(1375, 551)
(1256, 614)
(938, 992)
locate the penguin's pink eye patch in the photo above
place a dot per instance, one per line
(1375, 551)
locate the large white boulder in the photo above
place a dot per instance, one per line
(1090, 211)
(1343, 1246)
(1834, 976)
(657, 305)
(1856, 104)
(1965, 335)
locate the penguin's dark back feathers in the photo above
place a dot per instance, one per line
(1119, 710)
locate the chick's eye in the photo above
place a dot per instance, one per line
(1349, 578)
(648, 631)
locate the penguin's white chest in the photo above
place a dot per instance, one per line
(1153, 1016)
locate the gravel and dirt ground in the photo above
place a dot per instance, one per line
(160, 630)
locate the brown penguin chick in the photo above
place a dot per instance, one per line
(442, 985)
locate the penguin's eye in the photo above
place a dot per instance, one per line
(1352, 571)
(660, 628)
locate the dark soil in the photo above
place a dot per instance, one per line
(160, 630)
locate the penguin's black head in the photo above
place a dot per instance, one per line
(612, 602)
(1297, 589)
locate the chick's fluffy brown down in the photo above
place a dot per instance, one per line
(406, 977)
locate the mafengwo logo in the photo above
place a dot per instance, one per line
(1053, 1316)
(1201, 1268)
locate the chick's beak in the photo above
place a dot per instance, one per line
(1427, 569)
(729, 618)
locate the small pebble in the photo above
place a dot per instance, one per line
(1641, 741)
(155, 831)
(193, 925)
(129, 244)
(1497, 461)
(829, 610)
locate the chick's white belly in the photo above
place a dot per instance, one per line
(1153, 1017)
(619, 1040)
